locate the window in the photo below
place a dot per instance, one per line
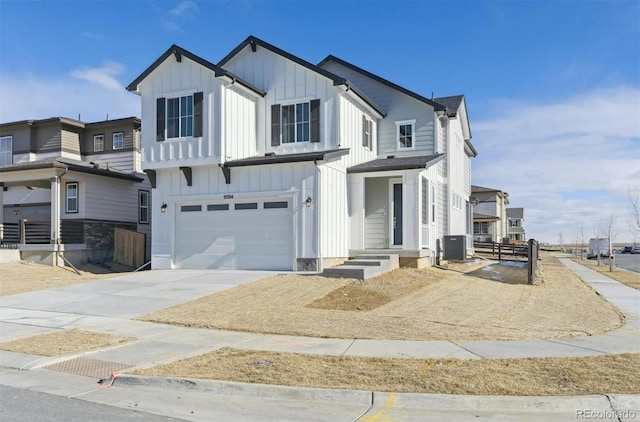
(480, 227)
(143, 206)
(179, 117)
(293, 123)
(72, 197)
(457, 201)
(98, 143)
(246, 206)
(433, 203)
(405, 134)
(425, 203)
(367, 129)
(275, 204)
(190, 208)
(218, 207)
(118, 140)
(6, 150)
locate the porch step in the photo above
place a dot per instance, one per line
(364, 267)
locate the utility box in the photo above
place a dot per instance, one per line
(455, 247)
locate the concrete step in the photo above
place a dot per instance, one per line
(363, 262)
(353, 271)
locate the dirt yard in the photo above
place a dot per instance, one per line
(492, 302)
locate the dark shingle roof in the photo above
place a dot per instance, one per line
(69, 164)
(287, 158)
(515, 212)
(451, 103)
(396, 163)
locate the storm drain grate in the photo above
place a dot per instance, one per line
(89, 367)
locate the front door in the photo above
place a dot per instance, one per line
(396, 217)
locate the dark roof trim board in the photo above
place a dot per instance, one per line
(286, 158)
(71, 166)
(73, 122)
(178, 52)
(396, 163)
(254, 42)
(436, 106)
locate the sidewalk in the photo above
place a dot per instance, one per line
(99, 306)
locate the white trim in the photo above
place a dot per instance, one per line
(113, 140)
(95, 138)
(412, 123)
(8, 153)
(67, 197)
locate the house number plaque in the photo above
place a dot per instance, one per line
(228, 196)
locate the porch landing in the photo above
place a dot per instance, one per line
(412, 258)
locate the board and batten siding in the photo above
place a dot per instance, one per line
(399, 107)
(351, 133)
(333, 213)
(287, 82)
(376, 216)
(239, 129)
(174, 79)
(290, 181)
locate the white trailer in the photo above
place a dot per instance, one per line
(598, 246)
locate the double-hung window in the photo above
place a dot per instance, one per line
(367, 129)
(292, 123)
(72, 197)
(179, 117)
(6, 150)
(480, 227)
(98, 143)
(143, 205)
(405, 134)
(118, 140)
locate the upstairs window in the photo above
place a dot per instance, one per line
(367, 130)
(118, 140)
(143, 206)
(6, 150)
(405, 134)
(98, 143)
(293, 123)
(179, 117)
(72, 197)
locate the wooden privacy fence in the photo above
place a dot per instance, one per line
(128, 247)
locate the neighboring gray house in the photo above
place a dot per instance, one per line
(489, 214)
(70, 183)
(515, 225)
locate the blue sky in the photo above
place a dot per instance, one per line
(552, 87)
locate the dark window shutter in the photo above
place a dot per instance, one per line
(160, 116)
(275, 125)
(315, 121)
(197, 114)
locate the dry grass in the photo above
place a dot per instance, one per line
(63, 342)
(609, 374)
(629, 278)
(25, 276)
(408, 304)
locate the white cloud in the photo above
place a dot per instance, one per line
(185, 10)
(92, 93)
(569, 164)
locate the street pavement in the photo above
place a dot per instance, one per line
(108, 306)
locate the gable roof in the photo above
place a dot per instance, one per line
(436, 106)
(255, 42)
(178, 52)
(451, 103)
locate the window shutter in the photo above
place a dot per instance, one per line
(197, 114)
(160, 122)
(275, 125)
(315, 121)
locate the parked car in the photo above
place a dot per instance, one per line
(635, 249)
(627, 249)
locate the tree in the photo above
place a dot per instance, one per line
(634, 211)
(582, 236)
(609, 231)
(597, 231)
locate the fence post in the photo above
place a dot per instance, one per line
(499, 252)
(23, 230)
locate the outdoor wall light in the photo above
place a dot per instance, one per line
(308, 202)
(163, 208)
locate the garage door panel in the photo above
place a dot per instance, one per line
(235, 239)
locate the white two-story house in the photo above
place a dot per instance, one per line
(489, 214)
(266, 161)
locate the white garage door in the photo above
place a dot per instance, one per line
(247, 235)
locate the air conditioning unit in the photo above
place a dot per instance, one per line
(455, 247)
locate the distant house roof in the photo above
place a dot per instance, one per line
(73, 165)
(396, 163)
(178, 52)
(515, 212)
(478, 216)
(255, 42)
(69, 121)
(451, 103)
(479, 189)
